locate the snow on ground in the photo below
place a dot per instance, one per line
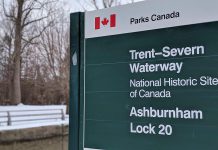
(26, 126)
(33, 107)
(27, 116)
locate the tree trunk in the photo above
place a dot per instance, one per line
(16, 82)
(16, 93)
(10, 83)
(10, 73)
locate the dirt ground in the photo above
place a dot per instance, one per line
(54, 143)
(40, 138)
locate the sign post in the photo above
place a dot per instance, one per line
(146, 77)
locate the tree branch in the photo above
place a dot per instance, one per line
(30, 41)
(11, 16)
(95, 4)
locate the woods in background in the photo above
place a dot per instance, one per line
(34, 52)
(34, 49)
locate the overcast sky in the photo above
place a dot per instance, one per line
(75, 5)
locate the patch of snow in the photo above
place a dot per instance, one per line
(28, 116)
(27, 126)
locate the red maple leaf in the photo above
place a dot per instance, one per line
(105, 21)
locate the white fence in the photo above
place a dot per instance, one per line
(32, 115)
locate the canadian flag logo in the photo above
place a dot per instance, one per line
(99, 22)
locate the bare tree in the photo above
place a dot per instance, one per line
(34, 49)
(23, 15)
(6, 46)
(54, 50)
(99, 4)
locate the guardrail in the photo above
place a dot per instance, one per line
(9, 118)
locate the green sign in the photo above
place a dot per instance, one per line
(146, 80)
